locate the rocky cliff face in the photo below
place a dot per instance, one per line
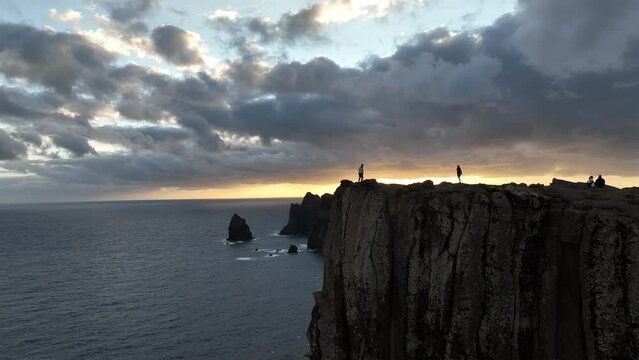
(479, 272)
(309, 218)
(302, 217)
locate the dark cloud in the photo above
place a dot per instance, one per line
(306, 118)
(151, 138)
(176, 45)
(10, 149)
(60, 61)
(126, 18)
(301, 24)
(28, 136)
(133, 106)
(571, 36)
(130, 10)
(76, 144)
(17, 104)
(442, 44)
(482, 97)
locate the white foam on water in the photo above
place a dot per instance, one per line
(245, 258)
(302, 246)
(270, 251)
(228, 243)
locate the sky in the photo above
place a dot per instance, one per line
(163, 99)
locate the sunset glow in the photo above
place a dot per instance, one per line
(166, 99)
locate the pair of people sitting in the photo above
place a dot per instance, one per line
(599, 183)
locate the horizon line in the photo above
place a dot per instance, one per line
(97, 201)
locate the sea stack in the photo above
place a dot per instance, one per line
(239, 229)
(292, 249)
(479, 272)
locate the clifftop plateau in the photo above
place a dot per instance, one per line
(479, 272)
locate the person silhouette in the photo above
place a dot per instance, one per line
(459, 173)
(591, 182)
(360, 172)
(600, 182)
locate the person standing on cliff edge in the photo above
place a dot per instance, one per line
(459, 173)
(360, 172)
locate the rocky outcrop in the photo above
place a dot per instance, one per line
(239, 229)
(302, 217)
(309, 218)
(479, 272)
(292, 249)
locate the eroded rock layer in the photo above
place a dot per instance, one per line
(479, 272)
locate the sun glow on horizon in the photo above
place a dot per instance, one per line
(297, 190)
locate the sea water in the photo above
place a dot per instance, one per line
(152, 280)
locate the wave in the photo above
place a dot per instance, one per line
(229, 243)
(245, 258)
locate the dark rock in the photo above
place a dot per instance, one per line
(239, 229)
(316, 238)
(292, 249)
(302, 217)
(345, 183)
(479, 272)
(309, 218)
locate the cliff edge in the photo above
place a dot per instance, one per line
(479, 272)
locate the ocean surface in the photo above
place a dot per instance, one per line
(152, 280)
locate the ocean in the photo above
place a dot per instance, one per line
(152, 280)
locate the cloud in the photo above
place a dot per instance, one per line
(290, 28)
(68, 15)
(10, 149)
(126, 12)
(60, 61)
(76, 144)
(564, 37)
(482, 97)
(340, 11)
(123, 30)
(224, 15)
(306, 24)
(177, 46)
(28, 136)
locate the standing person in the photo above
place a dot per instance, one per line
(600, 182)
(360, 172)
(459, 173)
(591, 182)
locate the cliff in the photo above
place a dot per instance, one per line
(479, 272)
(309, 218)
(302, 217)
